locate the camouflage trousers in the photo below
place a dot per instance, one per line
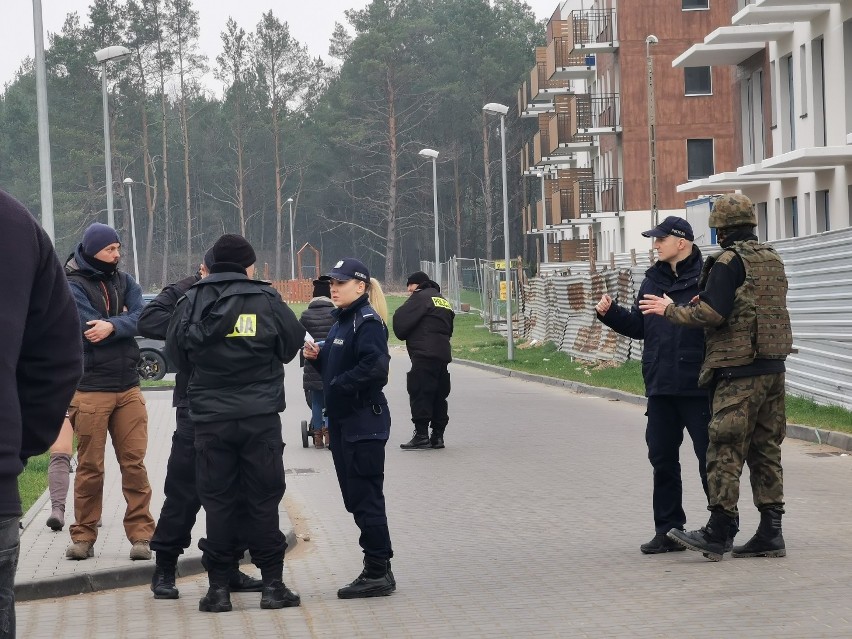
(748, 425)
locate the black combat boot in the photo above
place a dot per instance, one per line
(768, 540)
(420, 440)
(217, 599)
(709, 540)
(239, 581)
(376, 580)
(277, 595)
(163, 581)
(436, 440)
(660, 544)
(732, 532)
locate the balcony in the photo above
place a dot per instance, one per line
(732, 45)
(572, 114)
(592, 31)
(562, 64)
(570, 250)
(604, 114)
(542, 87)
(598, 198)
(784, 11)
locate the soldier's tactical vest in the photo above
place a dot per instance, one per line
(759, 325)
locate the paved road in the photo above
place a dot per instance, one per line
(527, 525)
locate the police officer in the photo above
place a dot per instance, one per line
(742, 308)
(232, 334)
(671, 359)
(425, 323)
(180, 508)
(354, 364)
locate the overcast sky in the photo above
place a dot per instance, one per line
(311, 22)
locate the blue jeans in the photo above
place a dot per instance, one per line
(317, 406)
(9, 545)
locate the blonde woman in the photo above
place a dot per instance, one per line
(353, 361)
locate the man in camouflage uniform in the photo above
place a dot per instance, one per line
(742, 308)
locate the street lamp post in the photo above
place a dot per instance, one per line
(501, 110)
(129, 182)
(44, 170)
(652, 128)
(108, 54)
(431, 153)
(292, 248)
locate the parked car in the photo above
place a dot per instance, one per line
(153, 363)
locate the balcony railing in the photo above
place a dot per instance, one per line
(540, 80)
(605, 110)
(598, 196)
(594, 26)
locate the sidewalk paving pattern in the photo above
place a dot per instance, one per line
(526, 525)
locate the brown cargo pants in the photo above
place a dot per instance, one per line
(748, 425)
(124, 417)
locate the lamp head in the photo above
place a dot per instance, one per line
(128, 181)
(652, 39)
(112, 54)
(496, 108)
(288, 200)
(428, 153)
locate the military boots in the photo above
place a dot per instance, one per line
(767, 541)
(376, 580)
(420, 440)
(163, 582)
(709, 540)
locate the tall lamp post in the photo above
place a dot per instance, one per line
(129, 183)
(652, 127)
(44, 170)
(109, 54)
(431, 153)
(292, 248)
(494, 108)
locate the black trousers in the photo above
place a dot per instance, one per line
(428, 384)
(668, 415)
(240, 477)
(360, 470)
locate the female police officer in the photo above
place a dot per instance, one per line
(353, 362)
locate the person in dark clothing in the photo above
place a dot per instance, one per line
(317, 320)
(232, 335)
(42, 361)
(180, 508)
(108, 397)
(425, 323)
(747, 335)
(671, 358)
(354, 364)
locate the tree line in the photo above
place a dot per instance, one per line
(340, 140)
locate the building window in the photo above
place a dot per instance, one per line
(823, 217)
(791, 216)
(762, 222)
(688, 5)
(699, 157)
(697, 81)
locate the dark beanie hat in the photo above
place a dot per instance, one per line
(234, 249)
(322, 287)
(418, 277)
(97, 237)
(208, 258)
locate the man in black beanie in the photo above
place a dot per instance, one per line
(180, 508)
(108, 398)
(425, 322)
(232, 335)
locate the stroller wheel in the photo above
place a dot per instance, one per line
(305, 433)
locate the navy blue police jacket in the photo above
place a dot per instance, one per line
(672, 354)
(354, 364)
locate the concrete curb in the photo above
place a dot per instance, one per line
(136, 573)
(833, 438)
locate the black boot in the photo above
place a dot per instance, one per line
(709, 540)
(277, 595)
(437, 438)
(660, 544)
(217, 599)
(163, 582)
(768, 540)
(732, 532)
(420, 440)
(240, 582)
(376, 580)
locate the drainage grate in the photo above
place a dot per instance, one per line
(299, 471)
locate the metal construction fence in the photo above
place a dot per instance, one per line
(558, 307)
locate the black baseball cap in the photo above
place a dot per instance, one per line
(672, 225)
(349, 269)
